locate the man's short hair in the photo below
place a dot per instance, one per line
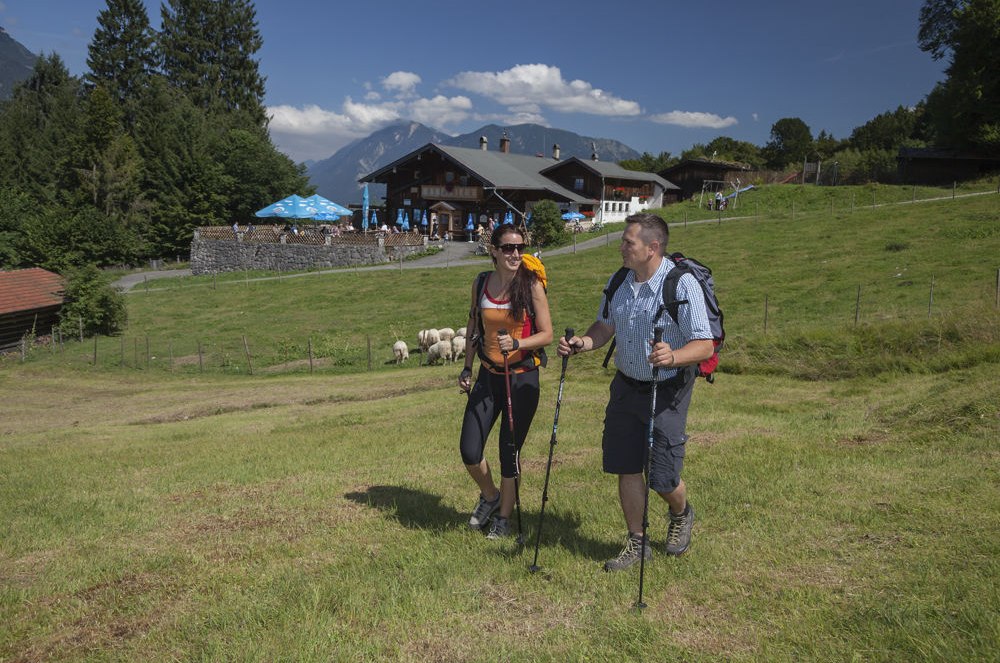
(654, 229)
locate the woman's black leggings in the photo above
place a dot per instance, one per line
(487, 401)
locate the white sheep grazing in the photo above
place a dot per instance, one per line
(441, 350)
(426, 338)
(460, 331)
(458, 347)
(400, 351)
(446, 334)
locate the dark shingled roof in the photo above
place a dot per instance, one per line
(29, 289)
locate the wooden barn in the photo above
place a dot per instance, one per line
(939, 166)
(692, 174)
(30, 299)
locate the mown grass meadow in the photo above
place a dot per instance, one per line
(844, 474)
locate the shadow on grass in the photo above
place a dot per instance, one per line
(423, 510)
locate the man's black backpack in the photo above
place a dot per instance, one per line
(703, 275)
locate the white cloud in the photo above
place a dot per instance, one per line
(311, 132)
(401, 83)
(440, 111)
(755, 117)
(694, 120)
(530, 87)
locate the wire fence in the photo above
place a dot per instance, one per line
(344, 353)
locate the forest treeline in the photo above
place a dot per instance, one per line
(167, 131)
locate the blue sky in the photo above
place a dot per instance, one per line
(658, 75)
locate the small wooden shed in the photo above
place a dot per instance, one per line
(30, 299)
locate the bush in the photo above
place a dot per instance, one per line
(547, 224)
(90, 297)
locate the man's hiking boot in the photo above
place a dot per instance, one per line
(679, 531)
(499, 529)
(629, 554)
(481, 514)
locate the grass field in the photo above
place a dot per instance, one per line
(844, 474)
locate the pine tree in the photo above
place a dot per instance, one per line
(208, 49)
(121, 55)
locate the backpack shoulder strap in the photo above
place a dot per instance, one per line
(670, 302)
(609, 292)
(616, 281)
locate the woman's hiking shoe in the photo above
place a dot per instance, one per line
(679, 531)
(499, 529)
(481, 514)
(629, 554)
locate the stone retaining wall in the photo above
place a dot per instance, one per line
(211, 256)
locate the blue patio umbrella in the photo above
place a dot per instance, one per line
(423, 219)
(406, 222)
(573, 216)
(399, 216)
(374, 222)
(324, 205)
(292, 207)
(508, 217)
(364, 206)
(326, 216)
(527, 220)
(470, 226)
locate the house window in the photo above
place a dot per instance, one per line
(578, 184)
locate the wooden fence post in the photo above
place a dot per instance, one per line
(121, 352)
(170, 354)
(930, 301)
(765, 315)
(95, 350)
(147, 351)
(997, 304)
(201, 366)
(310, 355)
(857, 306)
(246, 351)
(369, 352)
(80, 320)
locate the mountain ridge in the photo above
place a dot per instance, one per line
(16, 64)
(336, 177)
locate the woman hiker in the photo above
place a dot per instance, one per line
(509, 316)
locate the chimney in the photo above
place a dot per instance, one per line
(482, 143)
(505, 143)
(555, 151)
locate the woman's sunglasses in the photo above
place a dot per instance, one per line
(510, 248)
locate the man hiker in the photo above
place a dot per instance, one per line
(632, 315)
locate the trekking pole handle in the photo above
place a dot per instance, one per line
(502, 332)
(657, 335)
(569, 334)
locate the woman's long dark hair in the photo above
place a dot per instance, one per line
(524, 278)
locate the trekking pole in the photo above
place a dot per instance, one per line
(552, 445)
(513, 442)
(657, 337)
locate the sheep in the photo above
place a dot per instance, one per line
(460, 331)
(446, 334)
(440, 350)
(458, 346)
(426, 338)
(400, 351)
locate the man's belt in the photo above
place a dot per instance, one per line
(647, 385)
